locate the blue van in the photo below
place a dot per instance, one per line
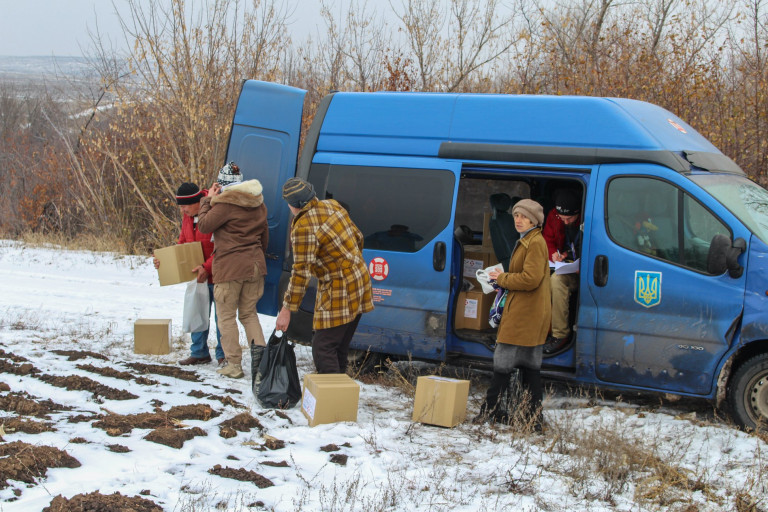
(673, 294)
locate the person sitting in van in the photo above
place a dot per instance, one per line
(562, 232)
(524, 321)
(327, 245)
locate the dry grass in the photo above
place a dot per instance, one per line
(83, 242)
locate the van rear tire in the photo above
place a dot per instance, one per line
(748, 394)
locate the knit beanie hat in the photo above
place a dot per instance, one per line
(229, 174)
(298, 192)
(530, 209)
(567, 203)
(188, 193)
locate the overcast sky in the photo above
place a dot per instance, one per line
(60, 27)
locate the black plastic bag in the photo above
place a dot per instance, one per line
(280, 386)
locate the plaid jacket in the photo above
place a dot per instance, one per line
(327, 244)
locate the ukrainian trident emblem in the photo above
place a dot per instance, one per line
(647, 288)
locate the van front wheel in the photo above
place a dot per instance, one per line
(748, 393)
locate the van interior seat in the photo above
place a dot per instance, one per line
(659, 208)
(502, 228)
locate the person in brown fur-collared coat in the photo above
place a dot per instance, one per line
(237, 217)
(525, 320)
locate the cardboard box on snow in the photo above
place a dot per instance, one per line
(477, 257)
(177, 262)
(329, 397)
(473, 309)
(440, 401)
(152, 336)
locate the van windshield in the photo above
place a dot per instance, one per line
(743, 197)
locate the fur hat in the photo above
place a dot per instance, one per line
(229, 174)
(530, 209)
(188, 193)
(298, 192)
(567, 202)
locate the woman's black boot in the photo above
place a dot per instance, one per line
(492, 407)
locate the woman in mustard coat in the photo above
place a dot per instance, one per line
(525, 320)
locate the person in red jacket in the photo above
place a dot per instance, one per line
(562, 232)
(188, 198)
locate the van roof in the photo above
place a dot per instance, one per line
(575, 130)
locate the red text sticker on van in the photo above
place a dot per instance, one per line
(378, 268)
(677, 125)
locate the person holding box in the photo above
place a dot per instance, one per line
(188, 198)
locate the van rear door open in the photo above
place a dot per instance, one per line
(265, 142)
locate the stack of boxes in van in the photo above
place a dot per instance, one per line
(474, 306)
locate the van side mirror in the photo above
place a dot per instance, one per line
(732, 258)
(724, 255)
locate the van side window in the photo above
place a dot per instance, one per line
(397, 209)
(644, 215)
(701, 226)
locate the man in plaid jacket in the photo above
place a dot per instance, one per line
(327, 245)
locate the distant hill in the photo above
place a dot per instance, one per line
(34, 72)
(44, 66)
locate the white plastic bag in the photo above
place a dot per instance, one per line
(484, 280)
(197, 309)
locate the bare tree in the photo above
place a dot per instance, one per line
(423, 21)
(479, 34)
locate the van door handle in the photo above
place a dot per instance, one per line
(438, 257)
(600, 272)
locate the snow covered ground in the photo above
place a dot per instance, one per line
(596, 454)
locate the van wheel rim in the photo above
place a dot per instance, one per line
(758, 398)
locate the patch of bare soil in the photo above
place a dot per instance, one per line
(119, 424)
(117, 374)
(17, 369)
(11, 425)
(97, 502)
(202, 412)
(339, 458)
(13, 357)
(281, 464)
(118, 448)
(167, 370)
(243, 422)
(273, 443)
(26, 463)
(82, 418)
(226, 400)
(25, 405)
(174, 437)
(77, 383)
(284, 416)
(76, 355)
(244, 475)
(105, 371)
(4, 387)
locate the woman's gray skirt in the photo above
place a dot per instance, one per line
(508, 357)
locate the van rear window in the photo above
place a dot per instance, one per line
(397, 209)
